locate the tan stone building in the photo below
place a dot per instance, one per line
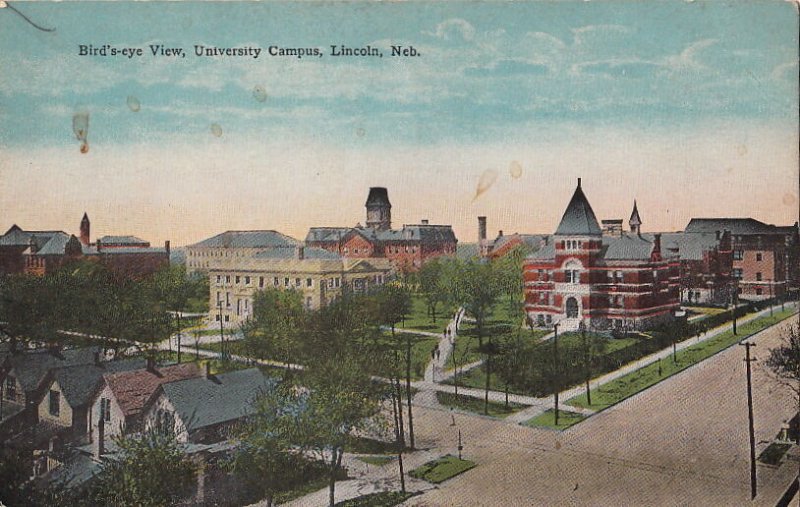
(318, 274)
(230, 245)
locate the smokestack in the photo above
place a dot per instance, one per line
(481, 228)
(99, 443)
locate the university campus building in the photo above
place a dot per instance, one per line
(43, 252)
(319, 275)
(407, 248)
(621, 281)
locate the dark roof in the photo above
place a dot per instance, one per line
(734, 225)
(122, 240)
(424, 233)
(378, 196)
(31, 366)
(290, 253)
(578, 219)
(247, 239)
(18, 237)
(327, 234)
(635, 219)
(79, 383)
(133, 389)
(533, 241)
(205, 401)
(627, 247)
(689, 246)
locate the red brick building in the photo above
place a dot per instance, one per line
(408, 248)
(624, 281)
(43, 252)
(765, 257)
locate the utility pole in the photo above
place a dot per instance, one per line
(735, 299)
(556, 383)
(587, 365)
(748, 360)
(769, 285)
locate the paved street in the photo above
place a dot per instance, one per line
(682, 442)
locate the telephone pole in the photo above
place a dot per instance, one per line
(748, 360)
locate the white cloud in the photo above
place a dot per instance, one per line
(453, 27)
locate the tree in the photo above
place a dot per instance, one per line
(431, 287)
(784, 363)
(264, 459)
(278, 320)
(338, 399)
(477, 288)
(150, 469)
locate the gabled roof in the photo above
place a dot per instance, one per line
(533, 241)
(734, 225)
(327, 234)
(578, 219)
(627, 247)
(206, 401)
(79, 383)
(18, 237)
(247, 239)
(425, 233)
(122, 240)
(132, 389)
(31, 366)
(689, 246)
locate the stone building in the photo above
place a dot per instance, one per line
(319, 275)
(204, 255)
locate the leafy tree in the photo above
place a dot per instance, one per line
(338, 400)
(279, 319)
(477, 287)
(784, 360)
(149, 470)
(431, 287)
(265, 460)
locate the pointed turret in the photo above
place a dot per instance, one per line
(635, 221)
(85, 229)
(579, 219)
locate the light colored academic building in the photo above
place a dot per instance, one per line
(318, 274)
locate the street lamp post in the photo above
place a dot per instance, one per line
(556, 382)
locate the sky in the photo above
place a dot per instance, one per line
(690, 108)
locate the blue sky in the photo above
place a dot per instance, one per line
(492, 76)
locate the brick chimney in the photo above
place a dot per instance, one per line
(301, 252)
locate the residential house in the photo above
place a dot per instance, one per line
(205, 409)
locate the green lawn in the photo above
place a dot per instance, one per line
(380, 499)
(441, 469)
(476, 377)
(624, 387)
(548, 420)
(420, 320)
(476, 405)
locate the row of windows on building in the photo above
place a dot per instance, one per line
(738, 273)
(614, 301)
(332, 283)
(573, 275)
(738, 255)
